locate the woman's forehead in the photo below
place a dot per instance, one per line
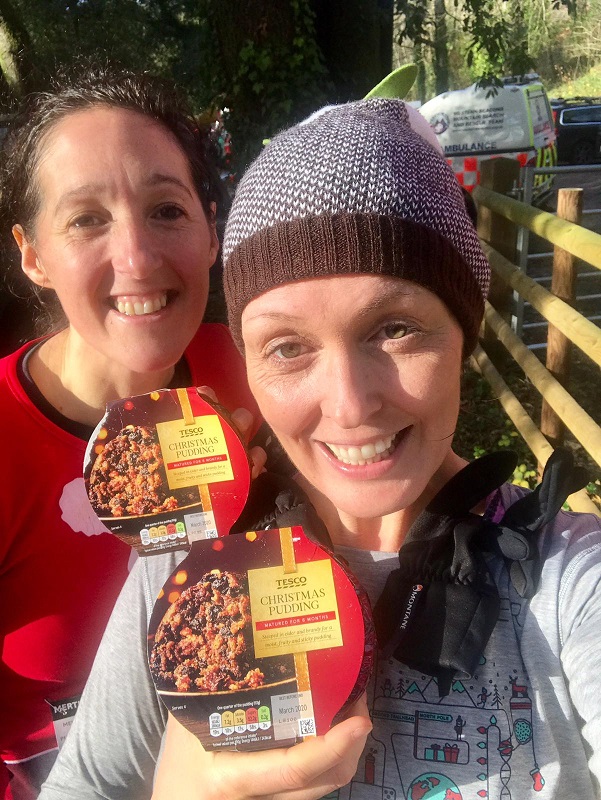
(357, 294)
(104, 153)
(105, 130)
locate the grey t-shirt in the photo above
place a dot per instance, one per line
(526, 726)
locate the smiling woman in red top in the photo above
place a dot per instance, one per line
(109, 193)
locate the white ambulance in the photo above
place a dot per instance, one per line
(514, 121)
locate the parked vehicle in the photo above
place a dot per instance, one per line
(513, 120)
(578, 124)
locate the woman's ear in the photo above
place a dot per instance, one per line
(30, 263)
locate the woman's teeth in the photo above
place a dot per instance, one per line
(366, 454)
(137, 307)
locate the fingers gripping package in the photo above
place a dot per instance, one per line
(258, 639)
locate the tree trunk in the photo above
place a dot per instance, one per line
(355, 37)
(16, 50)
(420, 82)
(8, 60)
(441, 53)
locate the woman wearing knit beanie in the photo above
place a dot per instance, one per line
(355, 284)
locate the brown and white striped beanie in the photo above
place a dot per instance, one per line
(354, 189)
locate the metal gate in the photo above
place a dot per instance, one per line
(525, 259)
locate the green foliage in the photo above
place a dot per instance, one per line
(262, 59)
(495, 34)
(259, 58)
(50, 34)
(488, 39)
(489, 34)
(278, 81)
(594, 491)
(484, 428)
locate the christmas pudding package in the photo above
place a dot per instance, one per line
(257, 640)
(164, 470)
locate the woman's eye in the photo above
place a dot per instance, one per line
(287, 350)
(396, 330)
(169, 212)
(86, 221)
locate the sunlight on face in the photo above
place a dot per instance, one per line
(359, 378)
(122, 238)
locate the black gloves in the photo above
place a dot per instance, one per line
(515, 537)
(441, 605)
(438, 610)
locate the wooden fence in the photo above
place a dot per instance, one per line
(498, 216)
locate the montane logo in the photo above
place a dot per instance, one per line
(409, 607)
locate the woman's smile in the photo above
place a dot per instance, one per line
(140, 305)
(362, 455)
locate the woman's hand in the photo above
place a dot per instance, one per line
(307, 771)
(243, 420)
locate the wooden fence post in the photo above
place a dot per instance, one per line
(563, 285)
(499, 175)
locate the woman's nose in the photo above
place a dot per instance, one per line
(351, 394)
(135, 250)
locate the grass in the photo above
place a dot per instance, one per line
(587, 85)
(483, 428)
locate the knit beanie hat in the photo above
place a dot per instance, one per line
(354, 189)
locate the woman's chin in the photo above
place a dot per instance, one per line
(371, 501)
